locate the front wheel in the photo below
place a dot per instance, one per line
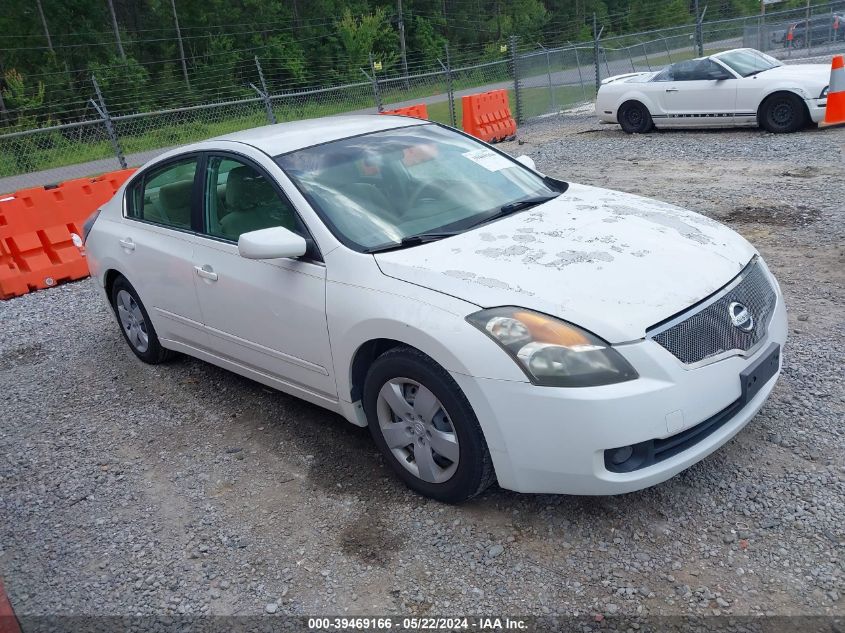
(425, 427)
(783, 113)
(635, 118)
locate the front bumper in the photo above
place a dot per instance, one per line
(816, 108)
(550, 440)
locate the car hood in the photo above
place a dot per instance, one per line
(810, 73)
(610, 262)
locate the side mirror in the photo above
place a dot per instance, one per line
(271, 243)
(718, 75)
(527, 161)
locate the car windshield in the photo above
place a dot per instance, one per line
(747, 62)
(376, 190)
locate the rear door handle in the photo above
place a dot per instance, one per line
(671, 90)
(127, 243)
(206, 272)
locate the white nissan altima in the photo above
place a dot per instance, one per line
(485, 321)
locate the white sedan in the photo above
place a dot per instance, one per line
(485, 321)
(741, 87)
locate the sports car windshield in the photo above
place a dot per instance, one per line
(407, 185)
(748, 62)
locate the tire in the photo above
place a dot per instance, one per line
(783, 113)
(135, 324)
(443, 419)
(635, 118)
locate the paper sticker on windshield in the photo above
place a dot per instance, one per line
(488, 159)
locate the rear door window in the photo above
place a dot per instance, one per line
(165, 194)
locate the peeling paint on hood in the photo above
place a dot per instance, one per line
(611, 262)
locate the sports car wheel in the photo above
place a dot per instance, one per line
(783, 113)
(635, 118)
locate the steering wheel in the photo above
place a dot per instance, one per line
(415, 197)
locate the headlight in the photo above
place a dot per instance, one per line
(551, 352)
(824, 92)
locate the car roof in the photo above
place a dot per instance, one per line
(287, 137)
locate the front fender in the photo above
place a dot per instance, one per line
(358, 315)
(801, 91)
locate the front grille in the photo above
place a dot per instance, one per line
(708, 331)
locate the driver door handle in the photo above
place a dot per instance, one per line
(206, 272)
(671, 90)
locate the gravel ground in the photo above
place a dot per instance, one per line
(184, 489)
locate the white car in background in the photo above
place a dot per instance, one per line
(741, 87)
(485, 321)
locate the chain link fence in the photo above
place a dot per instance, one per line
(541, 81)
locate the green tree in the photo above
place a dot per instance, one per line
(21, 100)
(362, 35)
(123, 84)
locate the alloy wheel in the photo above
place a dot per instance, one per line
(417, 430)
(132, 320)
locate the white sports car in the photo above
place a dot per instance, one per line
(740, 87)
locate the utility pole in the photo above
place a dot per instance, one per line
(181, 48)
(296, 22)
(402, 41)
(46, 29)
(116, 30)
(699, 43)
(4, 115)
(596, 35)
(808, 38)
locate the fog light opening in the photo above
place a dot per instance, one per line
(621, 455)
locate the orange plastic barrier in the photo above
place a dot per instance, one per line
(487, 116)
(8, 621)
(38, 228)
(419, 111)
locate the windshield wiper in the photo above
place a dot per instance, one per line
(513, 207)
(423, 238)
(527, 203)
(413, 240)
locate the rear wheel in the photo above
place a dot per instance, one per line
(635, 118)
(782, 113)
(425, 427)
(135, 324)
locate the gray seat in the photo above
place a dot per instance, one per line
(174, 204)
(252, 204)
